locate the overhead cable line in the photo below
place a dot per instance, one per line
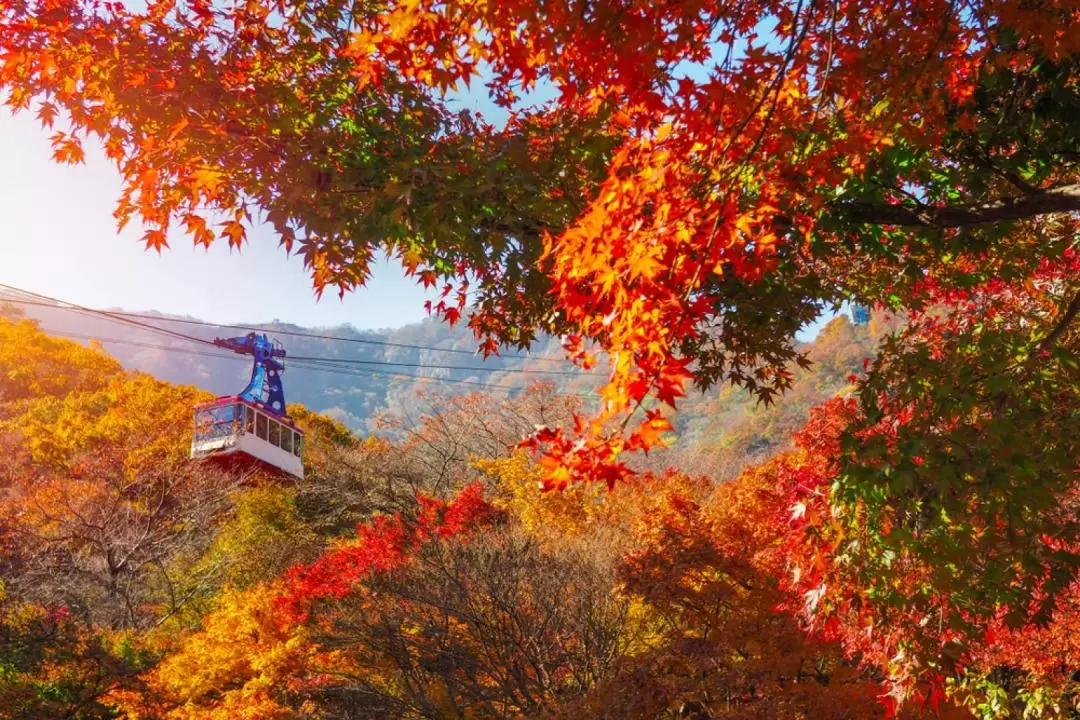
(351, 361)
(358, 372)
(57, 304)
(136, 343)
(46, 301)
(116, 317)
(308, 365)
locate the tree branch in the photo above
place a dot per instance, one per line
(1065, 198)
(1062, 324)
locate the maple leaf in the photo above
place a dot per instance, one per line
(46, 114)
(206, 180)
(155, 239)
(235, 232)
(196, 227)
(67, 149)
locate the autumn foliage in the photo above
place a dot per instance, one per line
(705, 179)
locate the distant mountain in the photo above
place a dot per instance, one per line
(726, 429)
(428, 355)
(720, 431)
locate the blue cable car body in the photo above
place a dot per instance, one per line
(251, 430)
(265, 387)
(860, 314)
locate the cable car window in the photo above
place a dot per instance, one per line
(260, 426)
(275, 433)
(215, 422)
(298, 445)
(286, 439)
(249, 420)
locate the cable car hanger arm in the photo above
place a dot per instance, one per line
(265, 388)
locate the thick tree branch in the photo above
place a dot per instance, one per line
(1062, 324)
(1065, 198)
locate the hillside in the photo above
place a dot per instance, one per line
(720, 431)
(404, 578)
(354, 394)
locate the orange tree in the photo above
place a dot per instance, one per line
(709, 176)
(261, 651)
(52, 665)
(34, 365)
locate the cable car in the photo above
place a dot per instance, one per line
(251, 430)
(860, 314)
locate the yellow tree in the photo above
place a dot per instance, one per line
(35, 365)
(105, 498)
(241, 664)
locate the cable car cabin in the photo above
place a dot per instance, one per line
(251, 429)
(237, 432)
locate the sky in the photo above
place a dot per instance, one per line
(58, 238)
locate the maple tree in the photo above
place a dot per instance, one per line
(243, 663)
(53, 665)
(1025, 671)
(723, 651)
(104, 499)
(263, 536)
(98, 497)
(554, 517)
(686, 203)
(943, 501)
(1006, 418)
(259, 653)
(469, 626)
(447, 434)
